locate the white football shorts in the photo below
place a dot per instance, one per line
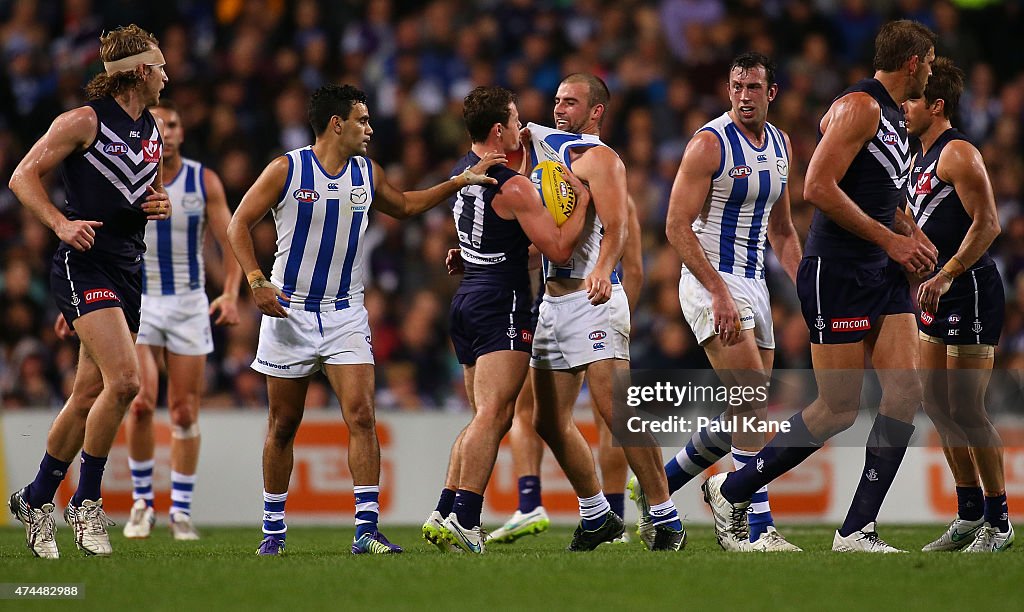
(750, 295)
(180, 323)
(572, 332)
(302, 343)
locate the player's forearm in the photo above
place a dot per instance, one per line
(685, 242)
(786, 244)
(613, 243)
(417, 202)
(838, 207)
(979, 238)
(240, 239)
(904, 224)
(30, 192)
(632, 283)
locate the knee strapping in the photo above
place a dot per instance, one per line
(185, 433)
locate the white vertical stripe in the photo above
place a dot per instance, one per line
(977, 335)
(511, 322)
(817, 296)
(67, 267)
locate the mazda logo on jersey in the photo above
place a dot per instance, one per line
(782, 167)
(191, 203)
(115, 148)
(740, 172)
(890, 138)
(357, 195)
(150, 151)
(306, 196)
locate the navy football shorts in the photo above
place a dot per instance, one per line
(841, 303)
(81, 284)
(488, 319)
(971, 312)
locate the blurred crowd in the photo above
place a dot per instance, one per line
(241, 72)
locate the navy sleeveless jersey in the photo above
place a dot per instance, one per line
(874, 180)
(494, 250)
(107, 181)
(936, 207)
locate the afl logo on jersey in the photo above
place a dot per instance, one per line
(740, 172)
(357, 195)
(306, 196)
(115, 148)
(890, 138)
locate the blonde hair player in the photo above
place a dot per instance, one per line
(110, 152)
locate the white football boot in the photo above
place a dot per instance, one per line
(772, 541)
(140, 521)
(990, 539)
(865, 540)
(90, 526)
(958, 536)
(731, 525)
(40, 528)
(531, 523)
(182, 528)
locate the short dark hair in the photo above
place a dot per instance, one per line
(597, 89)
(485, 106)
(331, 100)
(898, 41)
(753, 59)
(946, 83)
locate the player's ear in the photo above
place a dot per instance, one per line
(913, 63)
(773, 91)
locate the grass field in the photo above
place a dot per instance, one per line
(222, 572)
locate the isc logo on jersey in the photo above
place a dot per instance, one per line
(740, 172)
(115, 148)
(556, 193)
(306, 196)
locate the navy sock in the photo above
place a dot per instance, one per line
(618, 502)
(529, 493)
(970, 503)
(786, 451)
(996, 513)
(51, 473)
(887, 443)
(467, 508)
(445, 503)
(89, 479)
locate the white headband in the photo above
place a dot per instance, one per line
(149, 57)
